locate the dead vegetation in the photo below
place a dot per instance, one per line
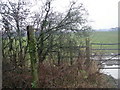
(63, 76)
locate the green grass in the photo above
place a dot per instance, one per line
(105, 37)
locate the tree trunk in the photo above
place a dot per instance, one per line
(33, 55)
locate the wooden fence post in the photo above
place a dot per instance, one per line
(71, 57)
(33, 55)
(1, 57)
(59, 58)
(71, 53)
(87, 51)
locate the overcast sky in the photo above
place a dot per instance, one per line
(103, 13)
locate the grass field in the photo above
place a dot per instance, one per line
(105, 37)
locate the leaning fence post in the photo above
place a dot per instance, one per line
(33, 56)
(87, 51)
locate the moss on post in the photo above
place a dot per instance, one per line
(87, 62)
(33, 55)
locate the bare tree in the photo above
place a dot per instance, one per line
(14, 22)
(49, 25)
(49, 22)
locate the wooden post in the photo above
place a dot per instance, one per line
(87, 51)
(71, 58)
(71, 53)
(59, 59)
(59, 50)
(33, 55)
(1, 56)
